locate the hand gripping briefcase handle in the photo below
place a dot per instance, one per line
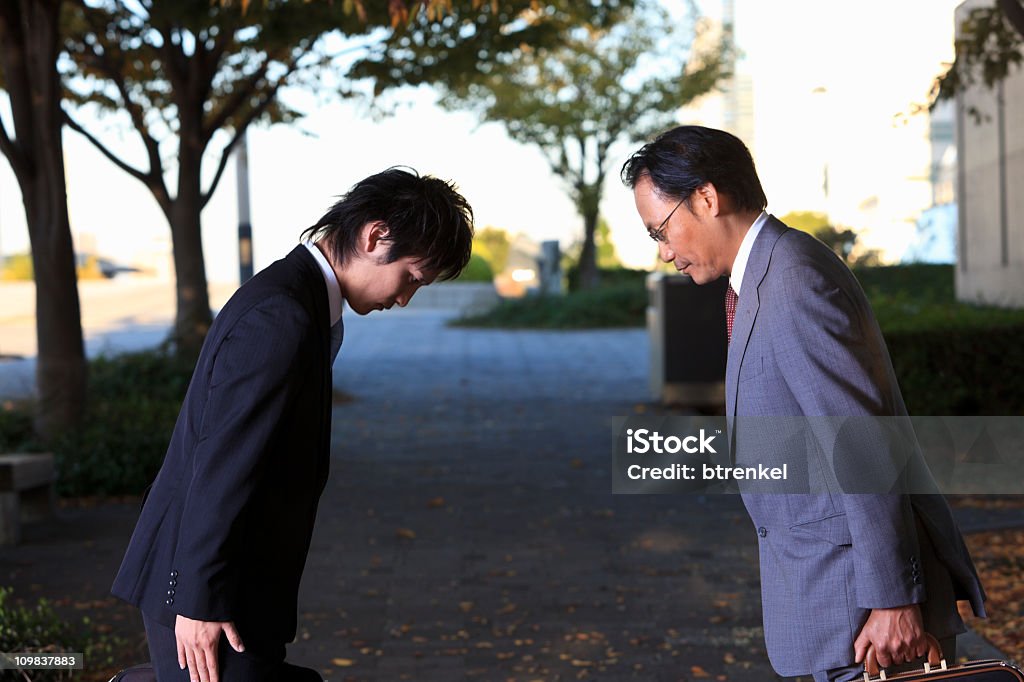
(934, 658)
(972, 671)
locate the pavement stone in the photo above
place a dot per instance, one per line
(468, 530)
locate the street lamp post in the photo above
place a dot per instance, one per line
(244, 226)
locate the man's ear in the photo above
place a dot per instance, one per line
(373, 239)
(706, 196)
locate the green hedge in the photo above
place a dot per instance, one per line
(609, 277)
(963, 371)
(607, 306)
(133, 403)
(950, 358)
(40, 629)
(477, 270)
(924, 282)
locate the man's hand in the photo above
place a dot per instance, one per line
(197, 646)
(897, 634)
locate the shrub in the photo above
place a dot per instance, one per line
(477, 270)
(39, 629)
(15, 427)
(970, 370)
(132, 406)
(950, 358)
(609, 277)
(920, 282)
(607, 306)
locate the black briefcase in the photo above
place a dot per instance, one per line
(937, 669)
(136, 673)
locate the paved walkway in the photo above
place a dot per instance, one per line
(468, 530)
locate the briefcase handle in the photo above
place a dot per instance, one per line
(934, 658)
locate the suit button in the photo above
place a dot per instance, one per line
(173, 583)
(170, 593)
(762, 531)
(174, 574)
(169, 601)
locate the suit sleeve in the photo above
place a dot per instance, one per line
(835, 364)
(255, 374)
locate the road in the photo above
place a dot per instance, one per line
(129, 312)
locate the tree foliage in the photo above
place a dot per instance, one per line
(193, 75)
(619, 74)
(989, 43)
(190, 77)
(493, 244)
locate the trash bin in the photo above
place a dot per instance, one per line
(686, 324)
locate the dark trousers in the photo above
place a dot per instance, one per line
(234, 667)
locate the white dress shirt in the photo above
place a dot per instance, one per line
(740, 264)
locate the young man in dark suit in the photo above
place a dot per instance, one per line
(216, 558)
(839, 572)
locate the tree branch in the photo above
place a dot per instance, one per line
(239, 130)
(11, 151)
(18, 87)
(103, 63)
(1013, 10)
(145, 178)
(211, 58)
(238, 97)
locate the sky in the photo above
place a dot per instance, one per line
(873, 59)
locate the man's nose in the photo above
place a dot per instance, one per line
(665, 252)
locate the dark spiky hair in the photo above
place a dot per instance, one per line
(426, 218)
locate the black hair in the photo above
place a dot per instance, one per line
(426, 218)
(682, 159)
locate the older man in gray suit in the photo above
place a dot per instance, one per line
(840, 572)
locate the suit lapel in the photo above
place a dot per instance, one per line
(313, 280)
(748, 306)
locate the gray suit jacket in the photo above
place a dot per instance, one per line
(806, 344)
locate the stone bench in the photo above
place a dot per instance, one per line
(26, 492)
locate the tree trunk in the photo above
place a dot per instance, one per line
(60, 362)
(30, 46)
(590, 277)
(193, 317)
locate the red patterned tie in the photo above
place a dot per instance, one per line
(730, 311)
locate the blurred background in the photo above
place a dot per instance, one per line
(156, 155)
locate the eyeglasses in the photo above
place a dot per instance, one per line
(658, 234)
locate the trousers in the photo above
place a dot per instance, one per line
(234, 666)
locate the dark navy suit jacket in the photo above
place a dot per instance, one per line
(226, 526)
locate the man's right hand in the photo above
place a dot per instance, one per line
(197, 646)
(897, 635)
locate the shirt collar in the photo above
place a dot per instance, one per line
(333, 288)
(740, 264)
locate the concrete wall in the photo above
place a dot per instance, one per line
(990, 190)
